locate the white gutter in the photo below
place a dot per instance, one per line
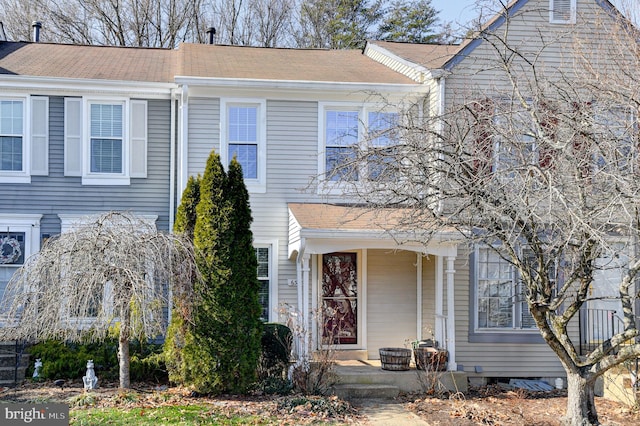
(155, 90)
(299, 85)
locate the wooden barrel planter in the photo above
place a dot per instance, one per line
(395, 359)
(431, 359)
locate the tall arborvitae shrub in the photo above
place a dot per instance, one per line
(242, 336)
(220, 346)
(204, 355)
(178, 332)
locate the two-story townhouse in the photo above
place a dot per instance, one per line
(552, 35)
(83, 130)
(89, 129)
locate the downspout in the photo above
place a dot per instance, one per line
(172, 162)
(441, 109)
(183, 141)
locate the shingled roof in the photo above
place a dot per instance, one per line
(192, 60)
(87, 62)
(346, 66)
(430, 56)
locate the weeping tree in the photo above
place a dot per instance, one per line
(109, 273)
(536, 157)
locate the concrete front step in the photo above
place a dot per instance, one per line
(370, 391)
(406, 381)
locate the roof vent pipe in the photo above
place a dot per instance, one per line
(211, 31)
(37, 25)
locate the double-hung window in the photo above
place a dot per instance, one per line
(500, 302)
(341, 144)
(382, 132)
(515, 143)
(616, 130)
(24, 138)
(12, 146)
(243, 134)
(357, 143)
(105, 140)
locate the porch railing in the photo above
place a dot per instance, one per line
(596, 327)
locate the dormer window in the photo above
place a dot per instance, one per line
(562, 11)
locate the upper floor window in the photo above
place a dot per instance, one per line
(105, 140)
(11, 135)
(562, 11)
(24, 138)
(243, 135)
(357, 142)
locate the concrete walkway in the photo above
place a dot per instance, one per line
(384, 412)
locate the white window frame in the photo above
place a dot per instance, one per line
(363, 110)
(35, 139)
(517, 307)
(93, 178)
(272, 246)
(572, 12)
(29, 224)
(259, 184)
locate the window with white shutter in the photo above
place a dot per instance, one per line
(105, 140)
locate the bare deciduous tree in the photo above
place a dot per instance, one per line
(110, 272)
(536, 157)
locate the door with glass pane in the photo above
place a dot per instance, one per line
(339, 299)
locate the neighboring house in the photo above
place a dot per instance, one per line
(292, 117)
(83, 130)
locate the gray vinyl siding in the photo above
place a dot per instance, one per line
(473, 78)
(56, 194)
(292, 158)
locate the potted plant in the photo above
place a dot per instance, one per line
(429, 356)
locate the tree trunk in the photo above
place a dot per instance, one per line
(123, 354)
(581, 409)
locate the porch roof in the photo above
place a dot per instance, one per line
(321, 228)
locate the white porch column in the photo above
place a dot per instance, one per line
(305, 311)
(451, 321)
(439, 328)
(419, 296)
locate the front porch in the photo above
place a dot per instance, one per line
(366, 379)
(363, 284)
